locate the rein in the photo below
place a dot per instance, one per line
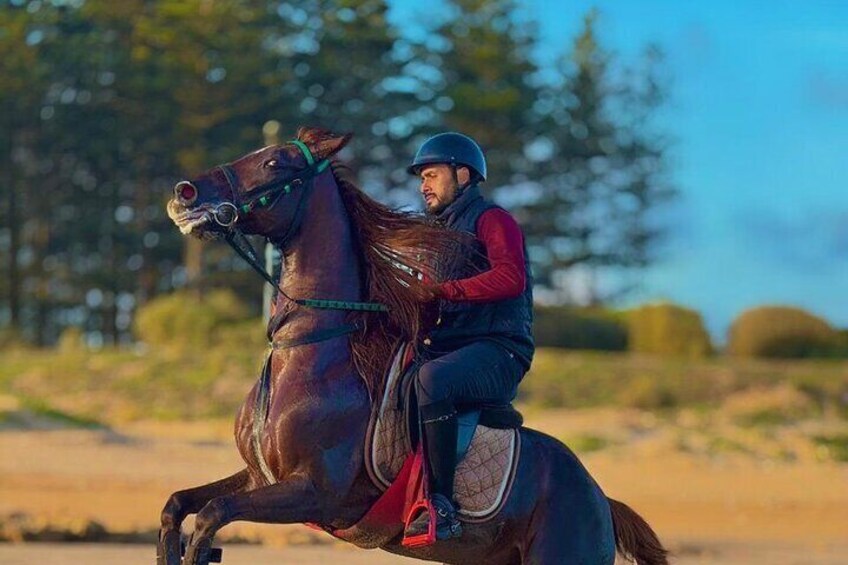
(227, 215)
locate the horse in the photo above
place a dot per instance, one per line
(349, 293)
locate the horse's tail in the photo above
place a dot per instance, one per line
(634, 538)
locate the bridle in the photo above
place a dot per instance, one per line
(228, 214)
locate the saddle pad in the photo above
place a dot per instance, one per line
(483, 476)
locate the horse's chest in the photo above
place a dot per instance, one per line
(304, 420)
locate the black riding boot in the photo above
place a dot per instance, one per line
(440, 433)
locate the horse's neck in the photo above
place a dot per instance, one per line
(320, 260)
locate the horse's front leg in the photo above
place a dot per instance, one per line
(294, 500)
(185, 502)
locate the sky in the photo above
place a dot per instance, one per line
(758, 112)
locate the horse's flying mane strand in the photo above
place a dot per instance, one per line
(393, 245)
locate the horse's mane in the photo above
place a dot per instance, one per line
(394, 246)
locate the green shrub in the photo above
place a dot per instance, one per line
(836, 446)
(776, 405)
(180, 319)
(781, 332)
(649, 392)
(668, 329)
(587, 443)
(579, 328)
(841, 349)
(11, 339)
(71, 339)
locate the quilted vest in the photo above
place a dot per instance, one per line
(509, 322)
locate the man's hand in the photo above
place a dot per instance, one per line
(430, 292)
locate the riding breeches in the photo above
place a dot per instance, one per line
(482, 372)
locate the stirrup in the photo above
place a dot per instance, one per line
(442, 523)
(426, 538)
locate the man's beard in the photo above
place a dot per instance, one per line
(440, 205)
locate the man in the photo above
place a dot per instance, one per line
(482, 343)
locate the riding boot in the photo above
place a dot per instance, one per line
(440, 435)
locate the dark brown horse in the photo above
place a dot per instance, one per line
(304, 455)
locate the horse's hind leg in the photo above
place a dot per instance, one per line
(571, 527)
(185, 502)
(551, 548)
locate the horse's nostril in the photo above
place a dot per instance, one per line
(185, 192)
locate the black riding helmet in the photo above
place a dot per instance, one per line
(454, 149)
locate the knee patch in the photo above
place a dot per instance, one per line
(433, 384)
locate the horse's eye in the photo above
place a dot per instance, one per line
(271, 163)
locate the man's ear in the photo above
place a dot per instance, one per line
(463, 175)
(323, 143)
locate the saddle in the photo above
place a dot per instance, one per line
(487, 443)
(488, 447)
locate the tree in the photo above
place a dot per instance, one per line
(351, 79)
(602, 168)
(27, 157)
(485, 82)
(107, 104)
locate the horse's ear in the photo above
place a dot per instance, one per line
(323, 143)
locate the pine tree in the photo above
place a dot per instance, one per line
(485, 84)
(352, 81)
(602, 170)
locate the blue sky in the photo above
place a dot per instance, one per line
(759, 114)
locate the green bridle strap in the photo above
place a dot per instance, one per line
(305, 150)
(272, 191)
(310, 160)
(320, 304)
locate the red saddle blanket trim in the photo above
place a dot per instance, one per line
(389, 514)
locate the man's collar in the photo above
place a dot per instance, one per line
(450, 212)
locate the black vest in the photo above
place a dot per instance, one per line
(509, 322)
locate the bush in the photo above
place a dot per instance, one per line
(72, 339)
(180, 319)
(668, 329)
(772, 405)
(579, 328)
(11, 339)
(781, 332)
(841, 348)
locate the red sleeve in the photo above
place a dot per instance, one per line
(502, 239)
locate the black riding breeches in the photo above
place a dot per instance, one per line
(482, 372)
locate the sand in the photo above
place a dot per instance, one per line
(728, 509)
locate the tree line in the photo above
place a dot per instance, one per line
(107, 104)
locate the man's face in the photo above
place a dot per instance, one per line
(438, 186)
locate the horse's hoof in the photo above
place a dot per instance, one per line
(198, 553)
(168, 551)
(201, 554)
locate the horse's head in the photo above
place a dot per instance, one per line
(260, 193)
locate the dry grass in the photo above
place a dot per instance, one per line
(766, 409)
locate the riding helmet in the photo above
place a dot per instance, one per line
(450, 148)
